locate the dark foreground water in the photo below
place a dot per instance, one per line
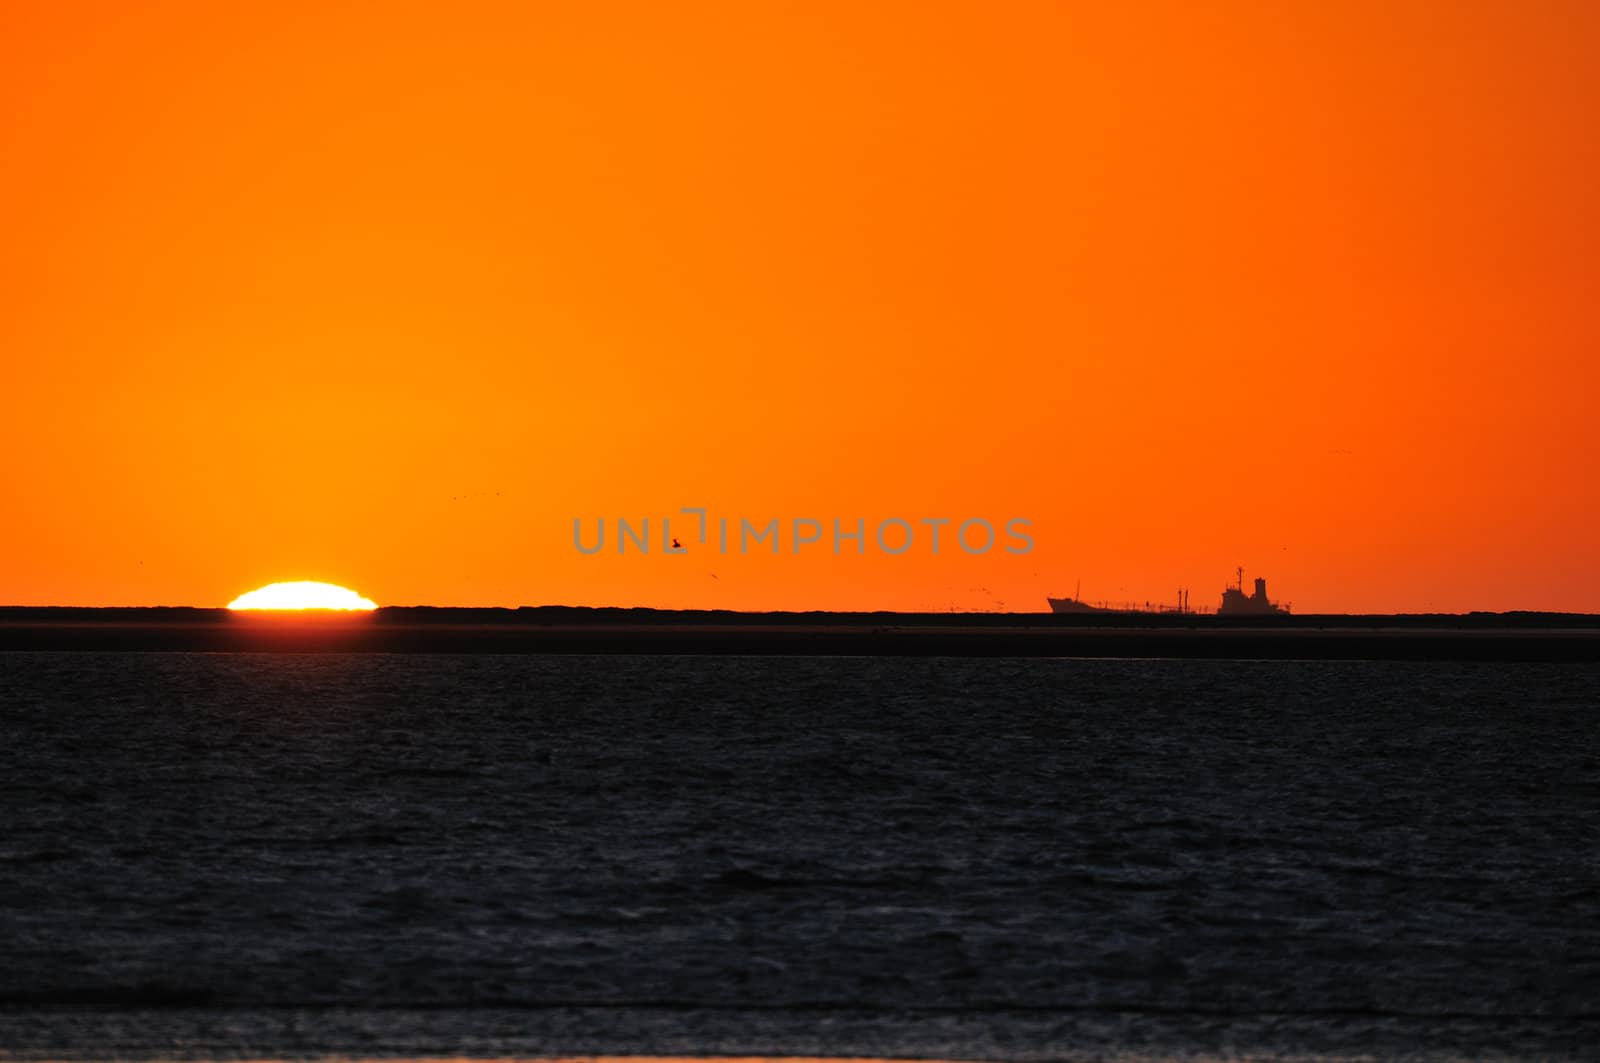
(495, 855)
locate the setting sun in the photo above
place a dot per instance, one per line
(302, 594)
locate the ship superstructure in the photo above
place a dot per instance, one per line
(1235, 602)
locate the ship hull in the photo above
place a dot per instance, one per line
(1072, 605)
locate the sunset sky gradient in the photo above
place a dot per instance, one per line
(388, 294)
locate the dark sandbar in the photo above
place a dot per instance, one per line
(555, 629)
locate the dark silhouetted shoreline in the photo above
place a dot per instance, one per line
(1517, 636)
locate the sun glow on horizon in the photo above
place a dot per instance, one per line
(302, 594)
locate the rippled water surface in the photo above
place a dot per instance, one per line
(371, 854)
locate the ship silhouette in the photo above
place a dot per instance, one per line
(1235, 602)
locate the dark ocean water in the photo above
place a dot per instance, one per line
(374, 854)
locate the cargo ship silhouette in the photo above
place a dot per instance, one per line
(1235, 602)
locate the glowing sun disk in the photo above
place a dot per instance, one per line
(301, 594)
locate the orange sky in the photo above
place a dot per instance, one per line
(388, 294)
